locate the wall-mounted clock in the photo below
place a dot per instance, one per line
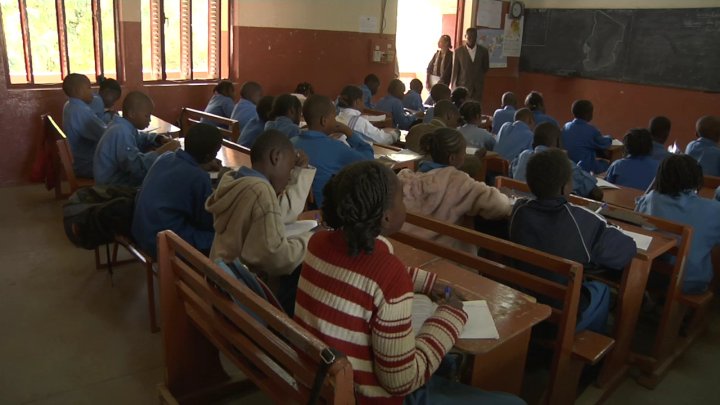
(516, 9)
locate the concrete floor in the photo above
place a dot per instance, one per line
(69, 336)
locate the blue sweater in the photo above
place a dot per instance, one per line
(394, 106)
(84, 130)
(173, 197)
(501, 116)
(513, 138)
(367, 96)
(118, 160)
(583, 182)
(633, 171)
(220, 105)
(582, 141)
(541, 117)
(251, 132)
(284, 125)
(413, 101)
(707, 153)
(243, 112)
(659, 152)
(98, 106)
(329, 156)
(477, 137)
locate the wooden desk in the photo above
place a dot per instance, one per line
(615, 152)
(230, 154)
(383, 153)
(623, 197)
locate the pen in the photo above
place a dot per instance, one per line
(602, 207)
(448, 292)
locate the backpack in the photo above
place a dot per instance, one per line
(93, 216)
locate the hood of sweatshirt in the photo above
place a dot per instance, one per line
(230, 195)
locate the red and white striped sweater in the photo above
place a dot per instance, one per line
(362, 306)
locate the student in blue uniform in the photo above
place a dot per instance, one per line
(256, 125)
(506, 113)
(535, 102)
(305, 89)
(459, 96)
(546, 137)
(638, 168)
(476, 137)
(173, 194)
(438, 92)
(674, 197)
(705, 149)
(551, 224)
(81, 126)
(370, 86)
(118, 159)
(392, 104)
(222, 101)
(245, 109)
(515, 137)
(412, 99)
(326, 154)
(108, 94)
(582, 140)
(660, 131)
(285, 115)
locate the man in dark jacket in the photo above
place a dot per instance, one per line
(471, 63)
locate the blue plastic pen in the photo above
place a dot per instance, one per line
(448, 292)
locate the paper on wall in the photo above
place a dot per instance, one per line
(512, 43)
(489, 13)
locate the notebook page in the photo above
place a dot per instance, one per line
(480, 324)
(642, 241)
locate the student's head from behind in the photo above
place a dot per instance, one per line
(526, 116)
(439, 92)
(509, 99)
(286, 105)
(225, 88)
(304, 88)
(372, 82)
(251, 91)
(445, 146)
(708, 127)
(447, 112)
(549, 174)
(203, 142)
(547, 134)
(678, 174)
(396, 88)
(471, 112)
(638, 142)
(459, 96)
(319, 113)
(351, 97)
(534, 101)
(582, 109)
(416, 85)
(273, 155)
(660, 129)
(137, 108)
(363, 200)
(471, 37)
(78, 86)
(110, 91)
(264, 107)
(445, 42)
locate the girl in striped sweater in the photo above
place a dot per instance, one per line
(356, 296)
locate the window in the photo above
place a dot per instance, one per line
(181, 39)
(45, 40)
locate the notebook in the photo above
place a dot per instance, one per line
(602, 183)
(299, 227)
(480, 324)
(642, 241)
(617, 142)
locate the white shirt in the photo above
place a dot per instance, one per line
(472, 51)
(371, 133)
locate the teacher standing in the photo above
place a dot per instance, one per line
(439, 69)
(471, 63)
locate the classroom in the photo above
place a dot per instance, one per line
(218, 201)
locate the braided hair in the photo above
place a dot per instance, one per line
(678, 174)
(349, 95)
(534, 101)
(442, 143)
(355, 201)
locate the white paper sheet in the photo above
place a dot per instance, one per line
(617, 142)
(469, 150)
(298, 227)
(480, 324)
(642, 241)
(602, 183)
(368, 24)
(375, 118)
(489, 13)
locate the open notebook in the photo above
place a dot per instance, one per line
(480, 324)
(299, 227)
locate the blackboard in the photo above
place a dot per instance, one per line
(667, 47)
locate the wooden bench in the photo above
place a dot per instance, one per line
(63, 160)
(201, 319)
(571, 351)
(229, 128)
(710, 184)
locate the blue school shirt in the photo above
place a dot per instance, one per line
(243, 112)
(83, 129)
(118, 160)
(513, 138)
(582, 140)
(284, 125)
(251, 132)
(583, 182)
(413, 101)
(541, 117)
(367, 96)
(659, 152)
(429, 115)
(427, 165)
(633, 171)
(717, 193)
(501, 116)
(477, 137)
(394, 106)
(329, 156)
(703, 215)
(707, 153)
(172, 196)
(220, 105)
(98, 106)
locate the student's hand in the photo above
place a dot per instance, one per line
(301, 159)
(454, 299)
(222, 171)
(161, 139)
(481, 152)
(168, 146)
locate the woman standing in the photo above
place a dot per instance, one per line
(440, 67)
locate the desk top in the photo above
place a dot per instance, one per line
(623, 197)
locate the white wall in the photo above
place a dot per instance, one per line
(621, 3)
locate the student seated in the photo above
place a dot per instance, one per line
(550, 224)
(547, 136)
(222, 101)
(459, 96)
(245, 109)
(515, 137)
(251, 207)
(438, 92)
(304, 89)
(256, 125)
(674, 197)
(325, 152)
(370, 86)
(660, 131)
(81, 125)
(637, 169)
(582, 140)
(506, 113)
(476, 137)
(351, 281)
(446, 116)
(118, 159)
(440, 190)
(173, 194)
(106, 97)
(705, 149)
(392, 104)
(535, 102)
(412, 99)
(285, 115)
(350, 104)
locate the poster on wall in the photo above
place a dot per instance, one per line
(493, 41)
(489, 13)
(512, 41)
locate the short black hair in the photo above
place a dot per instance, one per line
(548, 172)
(677, 174)
(509, 98)
(349, 95)
(283, 104)
(470, 110)
(547, 134)
(660, 128)
(446, 38)
(395, 85)
(582, 109)
(444, 107)
(416, 84)
(459, 95)
(523, 114)
(304, 87)
(439, 92)
(263, 108)
(708, 127)
(534, 100)
(316, 107)
(108, 84)
(248, 89)
(372, 79)
(442, 143)
(268, 140)
(202, 142)
(134, 100)
(355, 201)
(638, 142)
(224, 86)
(72, 83)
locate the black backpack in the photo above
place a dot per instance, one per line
(93, 216)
